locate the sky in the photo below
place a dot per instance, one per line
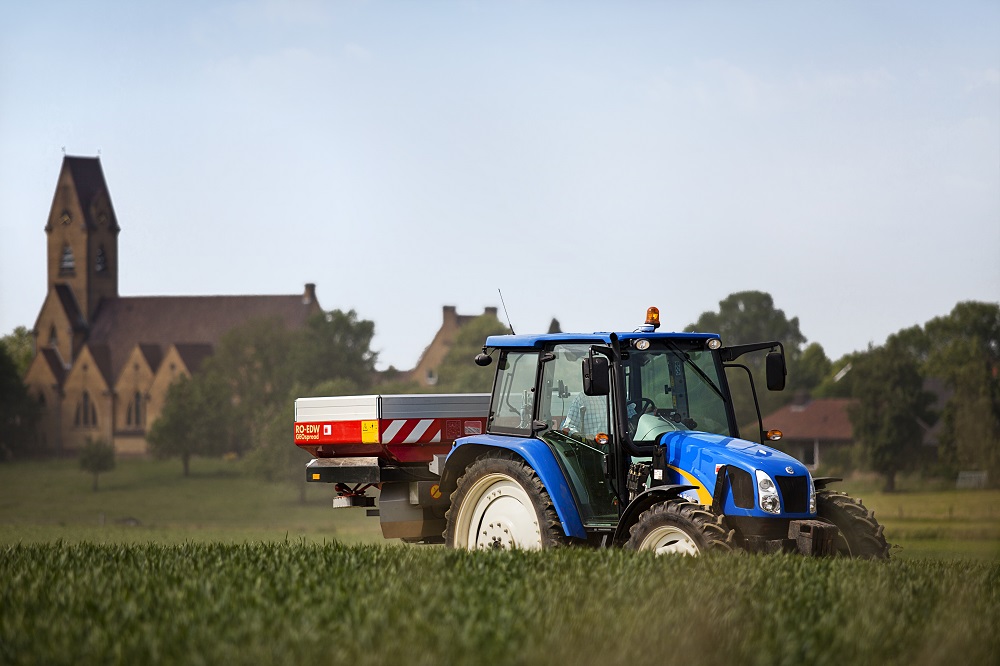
(585, 159)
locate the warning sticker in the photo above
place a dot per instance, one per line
(436, 491)
(369, 432)
(473, 428)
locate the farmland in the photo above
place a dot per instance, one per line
(147, 500)
(299, 602)
(216, 567)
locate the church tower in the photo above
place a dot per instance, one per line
(82, 254)
(83, 235)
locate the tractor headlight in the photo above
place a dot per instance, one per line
(769, 501)
(812, 495)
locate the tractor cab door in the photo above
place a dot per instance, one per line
(579, 428)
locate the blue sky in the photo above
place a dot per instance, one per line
(589, 159)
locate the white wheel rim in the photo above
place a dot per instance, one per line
(668, 540)
(500, 516)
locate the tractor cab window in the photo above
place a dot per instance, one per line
(576, 424)
(514, 393)
(670, 388)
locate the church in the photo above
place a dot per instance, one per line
(103, 362)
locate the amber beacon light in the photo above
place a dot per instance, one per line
(653, 317)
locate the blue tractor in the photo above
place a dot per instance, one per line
(631, 439)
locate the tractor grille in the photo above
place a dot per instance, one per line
(794, 493)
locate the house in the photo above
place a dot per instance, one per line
(813, 428)
(103, 362)
(426, 371)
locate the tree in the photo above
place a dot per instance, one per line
(252, 371)
(20, 345)
(750, 316)
(18, 411)
(244, 387)
(458, 372)
(335, 345)
(892, 410)
(276, 458)
(97, 457)
(194, 421)
(963, 350)
(839, 379)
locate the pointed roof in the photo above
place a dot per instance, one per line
(102, 359)
(70, 307)
(88, 178)
(153, 355)
(51, 358)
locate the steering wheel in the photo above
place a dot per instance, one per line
(644, 404)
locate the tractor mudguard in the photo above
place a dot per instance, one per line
(537, 454)
(643, 501)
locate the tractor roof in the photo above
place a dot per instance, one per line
(540, 340)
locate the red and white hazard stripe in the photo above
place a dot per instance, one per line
(411, 431)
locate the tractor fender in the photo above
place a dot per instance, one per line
(537, 454)
(643, 501)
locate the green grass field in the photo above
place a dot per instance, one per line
(294, 603)
(221, 568)
(149, 501)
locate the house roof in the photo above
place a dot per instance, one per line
(153, 355)
(70, 307)
(124, 322)
(101, 354)
(193, 355)
(820, 419)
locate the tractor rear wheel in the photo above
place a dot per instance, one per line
(680, 527)
(860, 534)
(500, 504)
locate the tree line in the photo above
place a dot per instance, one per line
(241, 402)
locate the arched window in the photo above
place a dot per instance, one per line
(101, 263)
(67, 264)
(53, 336)
(86, 413)
(136, 412)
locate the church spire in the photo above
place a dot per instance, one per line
(83, 235)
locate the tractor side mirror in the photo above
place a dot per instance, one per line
(775, 370)
(596, 376)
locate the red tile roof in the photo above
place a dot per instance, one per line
(820, 419)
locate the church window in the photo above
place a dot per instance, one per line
(67, 264)
(53, 336)
(86, 413)
(101, 265)
(134, 414)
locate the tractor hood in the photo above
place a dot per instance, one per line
(696, 457)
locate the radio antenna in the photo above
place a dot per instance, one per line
(505, 313)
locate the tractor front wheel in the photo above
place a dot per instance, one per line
(679, 527)
(500, 504)
(860, 534)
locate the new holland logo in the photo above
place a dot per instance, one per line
(790, 470)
